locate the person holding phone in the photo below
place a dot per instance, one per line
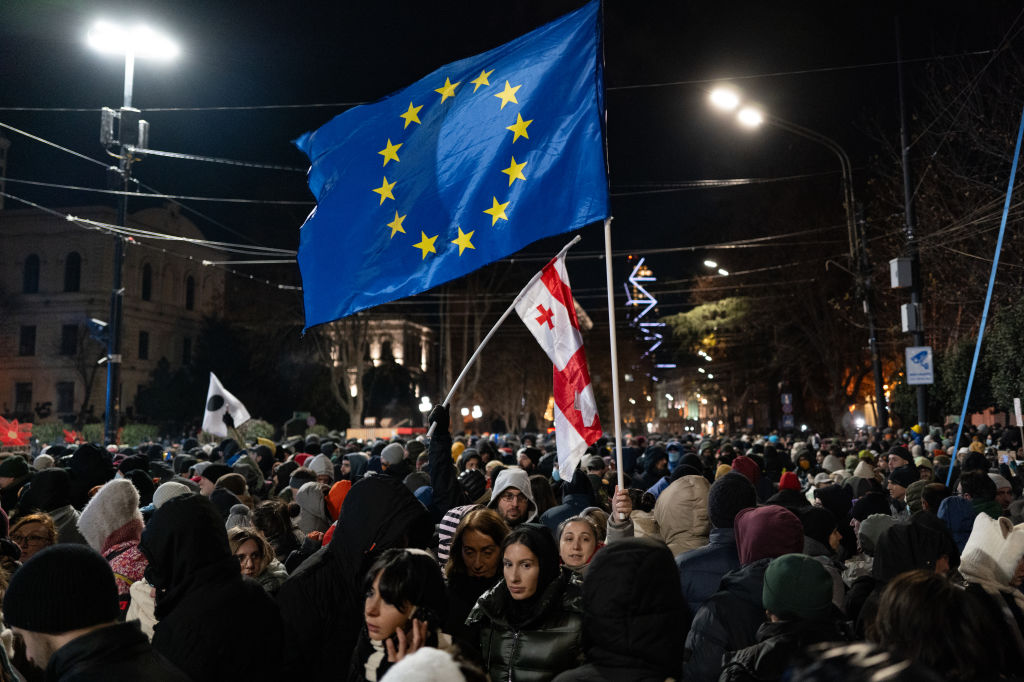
(404, 606)
(530, 622)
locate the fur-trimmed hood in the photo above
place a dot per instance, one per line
(115, 505)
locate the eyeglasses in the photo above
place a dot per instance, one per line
(29, 539)
(512, 497)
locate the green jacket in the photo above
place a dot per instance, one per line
(544, 645)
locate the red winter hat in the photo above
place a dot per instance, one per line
(747, 467)
(789, 481)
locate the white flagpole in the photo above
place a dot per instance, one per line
(613, 348)
(476, 353)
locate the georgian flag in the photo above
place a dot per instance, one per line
(222, 409)
(546, 308)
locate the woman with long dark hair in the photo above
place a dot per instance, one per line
(473, 567)
(530, 622)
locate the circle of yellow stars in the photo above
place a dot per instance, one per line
(498, 210)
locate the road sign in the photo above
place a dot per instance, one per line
(920, 366)
(310, 421)
(787, 398)
(787, 421)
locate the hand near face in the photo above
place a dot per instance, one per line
(407, 642)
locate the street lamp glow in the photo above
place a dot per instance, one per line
(707, 357)
(465, 411)
(139, 40)
(710, 264)
(711, 376)
(477, 412)
(724, 98)
(668, 396)
(723, 272)
(750, 117)
(859, 422)
(700, 369)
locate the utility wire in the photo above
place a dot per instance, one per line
(146, 195)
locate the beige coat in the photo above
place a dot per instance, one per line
(682, 514)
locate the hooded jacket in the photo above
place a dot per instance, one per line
(112, 525)
(682, 514)
(991, 555)
(514, 477)
(313, 516)
(701, 570)
(91, 466)
(632, 629)
(729, 620)
(201, 597)
(322, 601)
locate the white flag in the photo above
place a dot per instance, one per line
(546, 308)
(219, 404)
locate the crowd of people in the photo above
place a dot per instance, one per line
(461, 557)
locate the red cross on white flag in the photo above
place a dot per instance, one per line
(546, 308)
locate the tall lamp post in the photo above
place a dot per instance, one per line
(137, 41)
(750, 116)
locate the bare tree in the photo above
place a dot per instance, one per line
(341, 346)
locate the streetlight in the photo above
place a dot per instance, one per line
(131, 42)
(728, 99)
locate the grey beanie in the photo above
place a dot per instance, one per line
(393, 453)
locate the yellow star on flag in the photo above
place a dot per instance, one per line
(463, 241)
(390, 153)
(519, 128)
(514, 172)
(385, 190)
(426, 244)
(496, 211)
(508, 95)
(411, 115)
(396, 225)
(481, 79)
(447, 90)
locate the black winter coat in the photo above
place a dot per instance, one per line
(202, 599)
(535, 650)
(777, 644)
(636, 618)
(728, 621)
(322, 601)
(117, 653)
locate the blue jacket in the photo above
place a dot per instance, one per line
(572, 505)
(701, 570)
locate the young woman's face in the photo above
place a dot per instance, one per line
(521, 570)
(382, 618)
(578, 543)
(1018, 575)
(248, 555)
(480, 554)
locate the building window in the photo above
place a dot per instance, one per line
(68, 339)
(23, 398)
(73, 272)
(190, 293)
(65, 397)
(143, 345)
(186, 351)
(27, 340)
(30, 276)
(147, 282)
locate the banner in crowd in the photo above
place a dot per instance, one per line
(223, 410)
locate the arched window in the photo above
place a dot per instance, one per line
(30, 276)
(73, 272)
(147, 282)
(190, 293)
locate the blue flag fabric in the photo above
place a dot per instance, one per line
(463, 167)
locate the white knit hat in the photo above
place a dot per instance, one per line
(321, 466)
(425, 665)
(997, 546)
(168, 490)
(116, 504)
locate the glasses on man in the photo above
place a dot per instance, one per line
(28, 539)
(514, 498)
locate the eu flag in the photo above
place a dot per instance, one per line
(463, 167)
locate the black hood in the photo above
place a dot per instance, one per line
(913, 546)
(186, 544)
(635, 614)
(50, 489)
(379, 513)
(90, 466)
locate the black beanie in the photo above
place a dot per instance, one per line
(215, 471)
(818, 523)
(728, 495)
(65, 587)
(872, 503)
(473, 484)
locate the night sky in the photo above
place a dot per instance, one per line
(827, 66)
